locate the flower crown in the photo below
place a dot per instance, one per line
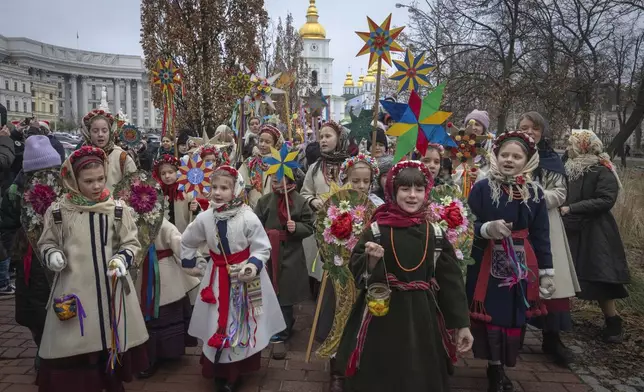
(166, 159)
(351, 162)
(228, 169)
(402, 165)
(221, 156)
(517, 136)
(87, 120)
(436, 146)
(334, 125)
(87, 151)
(273, 131)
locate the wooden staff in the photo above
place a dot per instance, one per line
(318, 308)
(374, 133)
(288, 209)
(288, 117)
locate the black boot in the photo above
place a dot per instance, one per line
(337, 379)
(522, 339)
(613, 332)
(495, 375)
(552, 345)
(223, 385)
(149, 372)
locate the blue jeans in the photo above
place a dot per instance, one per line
(4, 273)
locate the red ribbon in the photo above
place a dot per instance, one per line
(219, 339)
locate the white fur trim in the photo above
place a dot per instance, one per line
(547, 272)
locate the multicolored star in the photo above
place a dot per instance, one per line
(412, 72)
(380, 41)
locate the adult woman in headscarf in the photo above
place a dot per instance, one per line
(593, 234)
(99, 131)
(551, 175)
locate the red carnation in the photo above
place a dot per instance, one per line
(342, 226)
(520, 180)
(41, 197)
(143, 198)
(452, 215)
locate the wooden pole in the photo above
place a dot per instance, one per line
(242, 133)
(376, 108)
(316, 317)
(288, 209)
(288, 116)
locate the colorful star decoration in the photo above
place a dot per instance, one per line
(316, 101)
(380, 41)
(240, 85)
(166, 75)
(262, 88)
(282, 163)
(412, 72)
(194, 175)
(418, 115)
(130, 136)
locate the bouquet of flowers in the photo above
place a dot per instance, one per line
(41, 189)
(455, 218)
(143, 195)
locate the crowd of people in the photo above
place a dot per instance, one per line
(227, 267)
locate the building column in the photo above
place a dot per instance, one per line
(85, 95)
(74, 115)
(151, 111)
(139, 104)
(128, 98)
(117, 95)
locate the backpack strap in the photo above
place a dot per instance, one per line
(439, 240)
(118, 210)
(122, 160)
(55, 212)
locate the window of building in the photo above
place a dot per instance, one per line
(147, 122)
(24, 107)
(16, 106)
(15, 86)
(24, 88)
(613, 123)
(51, 108)
(51, 96)
(33, 106)
(60, 85)
(42, 107)
(33, 93)
(94, 105)
(8, 105)
(314, 78)
(6, 85)
(60, 94)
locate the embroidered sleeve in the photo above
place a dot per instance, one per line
(260, 246)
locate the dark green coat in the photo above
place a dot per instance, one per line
(293, 275)
(403, 350)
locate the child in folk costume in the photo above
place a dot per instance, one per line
(551, 175)
(179, 206)
(163, 286)
(288, 262)
(167, 147)
(512, 252)
(428, 296)
(593, 234)
(334, 141)
(480, 127)
(362, 173)
(253, 170)
(98, 131)
(90, 241)
(385, 164)
(237, 311)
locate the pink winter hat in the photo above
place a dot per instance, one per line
(39, 154)
(479, 115)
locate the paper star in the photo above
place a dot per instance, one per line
(415, 115)
(333, 189)
(166, 75)
(262, 88)
(316, 101)
(412, 72)
(380, 41)
(282, 163)
(194, 175)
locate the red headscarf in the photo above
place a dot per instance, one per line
(282, 212)
(168, 190)
(390, 213)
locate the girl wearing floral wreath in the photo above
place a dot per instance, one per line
(179, 206)
(513, 263)
(334, 141)
(593, 234)
(218, 157)
(99, 131)
(362, 173)
(89, 240)
(253, 169)
(428, 296)
(551, 175)
(237, 311)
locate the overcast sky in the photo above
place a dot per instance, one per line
(114, 26)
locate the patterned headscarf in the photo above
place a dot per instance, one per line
(341, 152)
(74, 199)
(522, 182)
(228, 210)
(170, 191)
(586, 150)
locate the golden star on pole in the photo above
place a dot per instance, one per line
(380, 41)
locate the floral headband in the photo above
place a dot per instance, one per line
(274, 132)
(166, 159)
(221, 156)
(351, 162)
(86, 155)
(334, 125)
(436, 146)
(515, 136)
(87, 120)
(402, 165)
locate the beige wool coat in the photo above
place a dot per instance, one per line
(88, 241)
(566, 283)
(181, 212)
(115, 174)
(175, 283)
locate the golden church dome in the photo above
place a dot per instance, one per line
(371, 77)
(361, 81)
(312, 29)
(348, 82)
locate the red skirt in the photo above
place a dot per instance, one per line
(230, 371)
(87, 372)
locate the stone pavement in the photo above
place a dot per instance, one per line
(533, 373)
